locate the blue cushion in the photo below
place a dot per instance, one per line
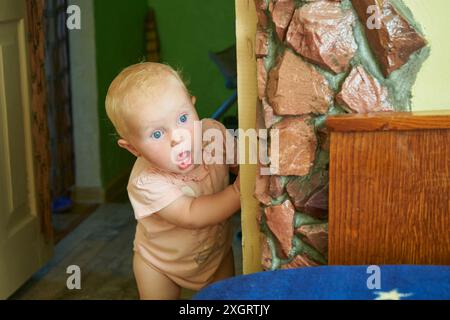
(335, 283)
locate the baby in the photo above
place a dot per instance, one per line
(182, 207)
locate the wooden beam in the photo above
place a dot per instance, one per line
(247, 98)
(393, 121)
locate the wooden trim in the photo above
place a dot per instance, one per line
(391, 121)
(39, 125)
(88, 195)
(99, 194)
(247, 98)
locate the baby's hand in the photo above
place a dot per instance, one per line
(195, 213)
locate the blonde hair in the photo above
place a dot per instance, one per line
(138, 79)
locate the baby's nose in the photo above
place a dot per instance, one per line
(176, 139)
(180, 135)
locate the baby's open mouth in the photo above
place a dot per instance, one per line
(184, 159)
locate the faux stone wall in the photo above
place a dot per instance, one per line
(317, 58)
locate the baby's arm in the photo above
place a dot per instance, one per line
(196, 213)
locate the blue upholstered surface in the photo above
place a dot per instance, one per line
(335, 282)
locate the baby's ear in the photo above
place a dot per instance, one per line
(126, 145)
(193, 99)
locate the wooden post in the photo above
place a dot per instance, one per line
(247, 98)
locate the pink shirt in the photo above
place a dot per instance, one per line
(189, 257)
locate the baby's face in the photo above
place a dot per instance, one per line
(162, 130)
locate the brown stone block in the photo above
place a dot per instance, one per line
(261, 7)
(280, 220)
(261, 192)
(300, 189)
(296, 88)
(259, 116)
(262, 78)
(324, 139)
(259, 215)
(276, 186)
(269, 117)
(282, 11)
(395, 40)
(323, 33)
(317, 204)
(316, 235)
(362, 93)
(296, 149)
(261, 43)
(266, 254)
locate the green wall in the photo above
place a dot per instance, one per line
(188, 30)
(119, 28)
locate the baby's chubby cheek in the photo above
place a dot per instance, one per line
(159, 157)
(156, 155)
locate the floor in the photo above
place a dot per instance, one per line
(101, 246)
(65, 222)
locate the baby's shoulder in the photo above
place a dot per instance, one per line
(143, 176)
(147, 177)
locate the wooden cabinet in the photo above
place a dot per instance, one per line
(389, 199)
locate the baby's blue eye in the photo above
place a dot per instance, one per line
(156, 134)
(183, 118)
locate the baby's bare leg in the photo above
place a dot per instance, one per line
(153, 285)
(226, 268)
